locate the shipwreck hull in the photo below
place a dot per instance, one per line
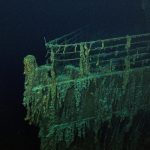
(101, 107)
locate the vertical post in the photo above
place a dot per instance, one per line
(128, 44)
(84, 60)
(87, 64)
(52, 88)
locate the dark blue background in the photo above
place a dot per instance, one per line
(23, 25)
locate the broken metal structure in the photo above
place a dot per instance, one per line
(90, 95)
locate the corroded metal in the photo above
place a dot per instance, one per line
(90, 94)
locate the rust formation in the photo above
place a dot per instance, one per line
(90, 95)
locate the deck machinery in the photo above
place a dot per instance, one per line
(91, 95)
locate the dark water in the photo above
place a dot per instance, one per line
(23, 26)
